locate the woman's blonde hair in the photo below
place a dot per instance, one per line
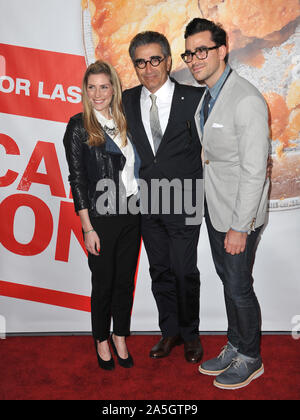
(95, 132)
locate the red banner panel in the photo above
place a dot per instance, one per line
(40, 84)
(48, 296)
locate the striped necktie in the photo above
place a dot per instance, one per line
(155, 124)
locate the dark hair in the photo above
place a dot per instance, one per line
(196, 25)
(149, 37)
(218, 34)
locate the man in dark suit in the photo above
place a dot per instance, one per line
(160, 115)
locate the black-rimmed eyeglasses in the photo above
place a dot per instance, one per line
(201, 53)
(154, 61)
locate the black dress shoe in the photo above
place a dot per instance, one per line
(126, 363)
(164, 346)
(104, 364)
(193, 351)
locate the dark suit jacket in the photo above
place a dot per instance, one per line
(179, 154)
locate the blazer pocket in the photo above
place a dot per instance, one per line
(217, 125)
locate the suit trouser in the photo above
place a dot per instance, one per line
(242, 307)
(113, 273)
(171, 247)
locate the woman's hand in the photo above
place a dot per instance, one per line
(92, 242)
(91, 239)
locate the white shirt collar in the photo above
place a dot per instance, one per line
(163, 93)
(104, 121)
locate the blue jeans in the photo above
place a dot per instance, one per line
(242, 307)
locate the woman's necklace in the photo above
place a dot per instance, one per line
(110, 131)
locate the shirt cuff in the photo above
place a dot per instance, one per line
(241, 231)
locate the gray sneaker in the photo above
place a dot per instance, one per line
(215, 367)
(240, 373)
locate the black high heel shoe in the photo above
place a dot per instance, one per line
(126, 363)
(104, 364)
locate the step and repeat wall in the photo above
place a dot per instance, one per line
(45, 48)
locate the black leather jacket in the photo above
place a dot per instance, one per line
(90, 164)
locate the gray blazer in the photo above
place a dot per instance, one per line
(235, 143)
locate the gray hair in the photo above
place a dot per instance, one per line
(149, 37)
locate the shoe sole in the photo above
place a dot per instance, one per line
(212, 372)
(254, 375)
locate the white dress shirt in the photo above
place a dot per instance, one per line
(164, 100)
(127, 175)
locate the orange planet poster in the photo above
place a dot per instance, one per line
(264, 47)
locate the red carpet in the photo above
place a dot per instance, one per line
(65, 368)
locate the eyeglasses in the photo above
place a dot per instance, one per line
(201, 53)
(154, 61)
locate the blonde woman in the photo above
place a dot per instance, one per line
(103, 166)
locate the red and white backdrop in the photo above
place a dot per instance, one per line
(45, 48)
